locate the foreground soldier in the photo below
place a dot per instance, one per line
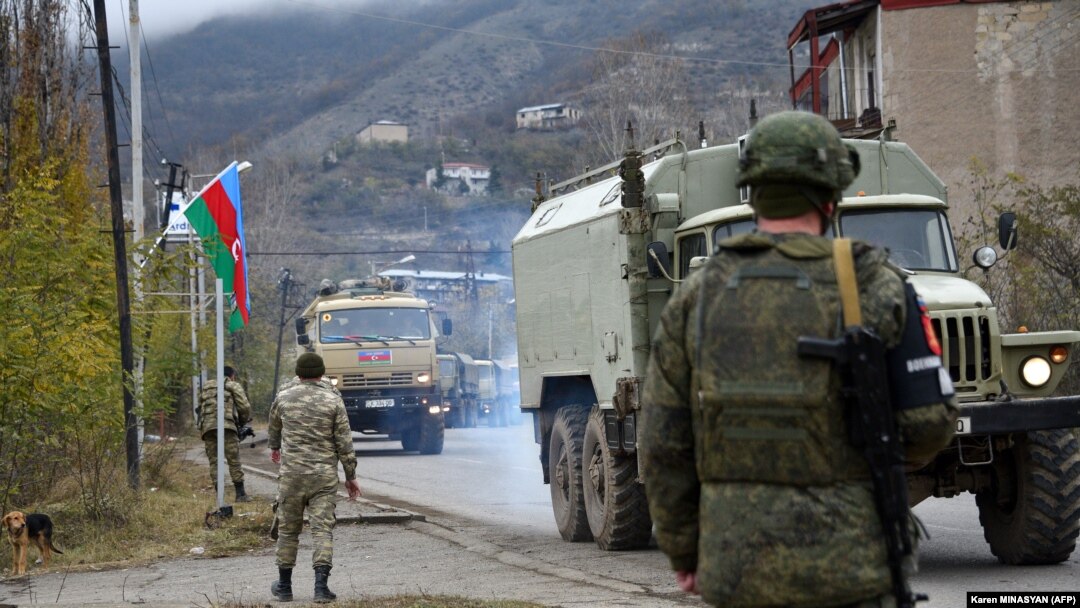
(758, 495)
(309, 436)
(237, 414)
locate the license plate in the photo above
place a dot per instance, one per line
(963, 425)
(378, 403)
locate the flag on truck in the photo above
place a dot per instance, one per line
(216, 216)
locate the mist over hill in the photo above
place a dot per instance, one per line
(297, 82)
(290, 90)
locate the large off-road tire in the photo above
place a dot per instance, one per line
(431, 434)
(565, 472)
(614, 499)
(1031, 512)
(410, 439)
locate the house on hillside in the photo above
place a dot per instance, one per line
(460, 178)
(550, 116)
(385, 131)
(955, 79)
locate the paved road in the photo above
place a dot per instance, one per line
(488, 533)
(487, 483)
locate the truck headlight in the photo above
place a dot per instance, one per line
(423, 377)
(333, 380)
(1035, 371)
(434, 409)
(985, 257)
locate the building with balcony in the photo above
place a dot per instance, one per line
(547, 117)
(956, 79)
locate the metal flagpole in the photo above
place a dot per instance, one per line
(219, 298)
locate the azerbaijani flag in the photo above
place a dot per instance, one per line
(216, 216)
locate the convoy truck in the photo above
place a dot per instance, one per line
(508, 391)
(595, 264)
(378, 344)
(488, 393)
(460, 386)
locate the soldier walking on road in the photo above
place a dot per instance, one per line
(757, 491)
(309, 435)
(237, 414)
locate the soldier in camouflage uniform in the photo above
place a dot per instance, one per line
(237, 414)
(309, 435)
(757, 495)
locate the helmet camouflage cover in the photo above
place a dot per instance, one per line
(798, 149)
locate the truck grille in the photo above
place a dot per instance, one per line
(965, 348)
(376, 380)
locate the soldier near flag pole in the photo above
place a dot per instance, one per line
(309, 436)
(216, 214)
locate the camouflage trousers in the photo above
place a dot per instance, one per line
(317, 495)
(232, 454)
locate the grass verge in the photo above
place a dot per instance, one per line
(121, 528)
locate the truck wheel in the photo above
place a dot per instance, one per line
(1031, 512)
(493, 416)
(430, 440)
(565, 472)
(410, 439)
(472, 414)
(614, 500)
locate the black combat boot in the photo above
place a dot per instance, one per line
(322, 592)
(282, 588)
(241, 496)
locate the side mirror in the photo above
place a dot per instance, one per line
(657, 260)
(301, 327)
(447, 327)
(1007, 230)
(303, 339)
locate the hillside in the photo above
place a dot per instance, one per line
(291, 89)
(299, 81)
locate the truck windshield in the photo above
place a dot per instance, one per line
(374, 324)
(916, 239)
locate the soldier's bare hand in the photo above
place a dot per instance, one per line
(275, 456)
(353, 487)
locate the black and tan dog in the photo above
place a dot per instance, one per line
(22, 529)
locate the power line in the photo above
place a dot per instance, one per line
(582, 47)
(374, 253)
(153, 77)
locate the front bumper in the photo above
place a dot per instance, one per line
(1018, 415)
(388, 410)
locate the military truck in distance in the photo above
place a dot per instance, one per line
(460, 386)
(488, 395)
(592, 272)
(378, 344)
(508, 391)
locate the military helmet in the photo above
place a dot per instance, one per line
(801, 150)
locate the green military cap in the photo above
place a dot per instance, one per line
(310, 365)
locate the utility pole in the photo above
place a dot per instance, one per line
(123, 309)
(138, 210)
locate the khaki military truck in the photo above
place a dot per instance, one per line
(508, 391)
(488, 393)
(460, 386)
(595, 264)
(378, 344)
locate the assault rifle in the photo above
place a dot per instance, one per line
(860, 355)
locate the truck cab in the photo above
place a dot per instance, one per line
(379, 349)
